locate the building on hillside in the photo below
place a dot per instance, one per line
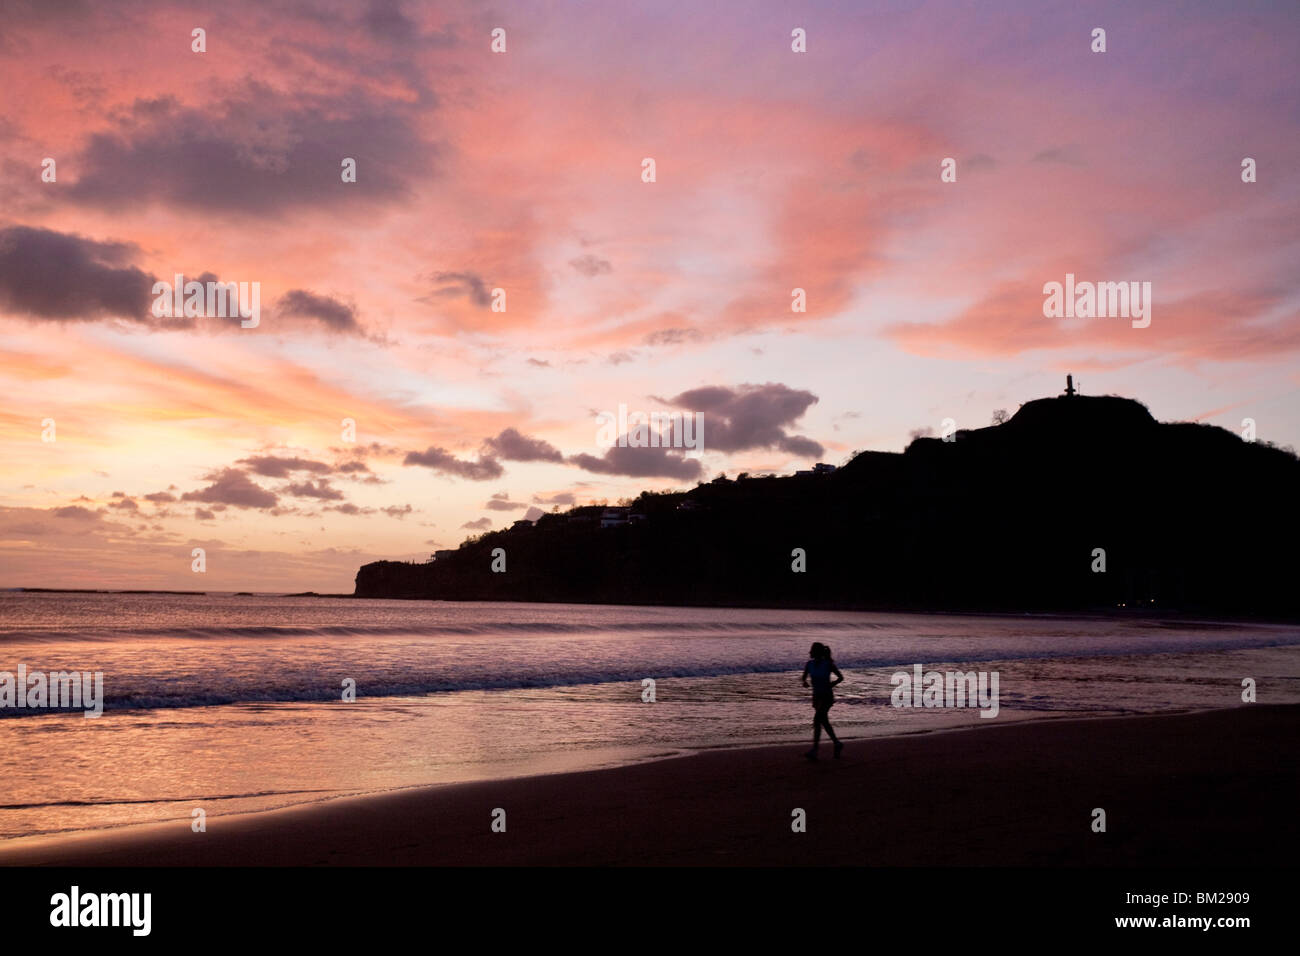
(585, 514)
(821, 468)
(613, 517)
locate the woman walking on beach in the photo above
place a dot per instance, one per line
(820, 667)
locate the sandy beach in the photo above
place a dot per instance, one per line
(1209, 788)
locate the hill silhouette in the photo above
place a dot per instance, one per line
(1190, 518)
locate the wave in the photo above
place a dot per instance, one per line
(280, 681)
(482, 629)
(151, 800)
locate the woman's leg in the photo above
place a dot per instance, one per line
(823, 715)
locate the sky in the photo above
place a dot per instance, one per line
(502, 270)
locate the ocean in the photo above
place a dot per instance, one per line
(234, 703)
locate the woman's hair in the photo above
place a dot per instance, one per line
(819, 650)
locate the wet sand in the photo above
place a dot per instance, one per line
(1211, 788)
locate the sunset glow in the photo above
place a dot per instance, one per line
(522, 172)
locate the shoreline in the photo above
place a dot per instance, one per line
(1188, 788)
(666, 753)
(1208, 617)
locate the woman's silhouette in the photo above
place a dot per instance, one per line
(820, 667)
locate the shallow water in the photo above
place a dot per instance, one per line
(233, 703)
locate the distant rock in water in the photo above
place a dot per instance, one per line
(1018, 516)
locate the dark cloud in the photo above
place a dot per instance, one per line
(43, 11)
(478, 524)
(77, 512)
(386, 22)
(510, 445)
(160, 497)
(53, 275)
(334, 314)
(440, 460)
(313, 489)
(272, 466)
(263, 151)
(590, 265)
(65, 277)
(502, 502)
(1065, 155)
(539, 363)
(230, 486)
(454, 285)
(751, 416)
(672, 337)
(393, 511)
(802, 447)
(203, 514)
(640, 463)
(374, 450)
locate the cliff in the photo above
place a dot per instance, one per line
(1190, 518)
